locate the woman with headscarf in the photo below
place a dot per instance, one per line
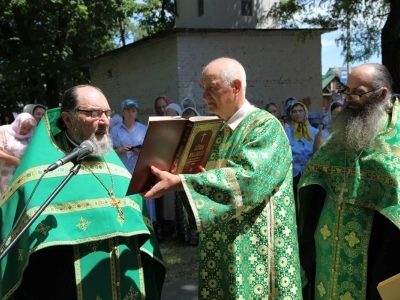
(36, 110)
(160, 105)
(14, 139)
(189, 112)
(188, 102)
(128, 137)
(288, 104)
(335, 108)
(273, 109)
(173, 110)
(301, 136)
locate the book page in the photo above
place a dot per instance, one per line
(389, 289)
(201, 118)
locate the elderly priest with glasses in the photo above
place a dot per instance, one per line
(92, 241)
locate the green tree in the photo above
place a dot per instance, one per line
(43, 44)
(155, 15)
(367, 27)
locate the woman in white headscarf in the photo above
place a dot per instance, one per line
(36, 110)
(14, 140)
(188, 102)
(173, 110)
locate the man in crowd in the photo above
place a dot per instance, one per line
(91, 242)
(357, 224)
(243, 206)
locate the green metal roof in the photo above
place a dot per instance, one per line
(326, 79)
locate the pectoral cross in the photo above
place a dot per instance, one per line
(116, 203)
(202, 136)
(344, 189)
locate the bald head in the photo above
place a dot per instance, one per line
(73, 96)
(224, 81)
(373, 82)
(229, 69)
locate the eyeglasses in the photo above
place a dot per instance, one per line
(357, 97)
(96, 114)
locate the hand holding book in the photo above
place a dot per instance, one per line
(175, 145)
(165, 182)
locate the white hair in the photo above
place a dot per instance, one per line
(231, 71)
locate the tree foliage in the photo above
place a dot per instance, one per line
(367, 27)
(43, 43)
(156, 15)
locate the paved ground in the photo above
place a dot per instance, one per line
(180, 289)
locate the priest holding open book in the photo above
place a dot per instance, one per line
(242, 203)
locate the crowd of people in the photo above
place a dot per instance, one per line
(296, 207)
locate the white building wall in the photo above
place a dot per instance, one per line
(142, 72)
(278, 64)
(222, 14)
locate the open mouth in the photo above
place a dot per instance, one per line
(101, 133)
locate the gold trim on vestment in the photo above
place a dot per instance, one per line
(36, 172)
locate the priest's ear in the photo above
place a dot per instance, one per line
(383, 94)
(68, 119)
(237, 86)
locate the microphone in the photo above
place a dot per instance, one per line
(84, 149)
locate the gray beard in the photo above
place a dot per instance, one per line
(103, 147)
(356, 129)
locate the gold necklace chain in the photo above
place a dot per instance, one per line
(345, 176)
(114, 200)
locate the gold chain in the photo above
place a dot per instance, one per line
(115, 201)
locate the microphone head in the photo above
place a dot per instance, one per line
(91, 147)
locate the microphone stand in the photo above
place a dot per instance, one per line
(73, 171)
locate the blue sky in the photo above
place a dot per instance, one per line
(331, 53)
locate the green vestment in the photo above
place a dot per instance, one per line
(244, 210)
(115, 258)
(357, 184)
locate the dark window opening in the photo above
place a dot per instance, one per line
(176, 8)
(200, 7)
(247, 8)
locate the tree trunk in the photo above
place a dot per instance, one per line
(390, 40)
(122, 30)
(52, 91)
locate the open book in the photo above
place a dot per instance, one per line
(176, 145)
(389, 289)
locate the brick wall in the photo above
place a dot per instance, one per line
(278, 64)
(142, 72)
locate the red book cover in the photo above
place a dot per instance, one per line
(176, 145)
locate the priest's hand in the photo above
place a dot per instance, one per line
(165, 182)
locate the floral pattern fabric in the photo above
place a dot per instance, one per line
(357, 184)
(244, 210)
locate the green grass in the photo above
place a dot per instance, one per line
(180, 259)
